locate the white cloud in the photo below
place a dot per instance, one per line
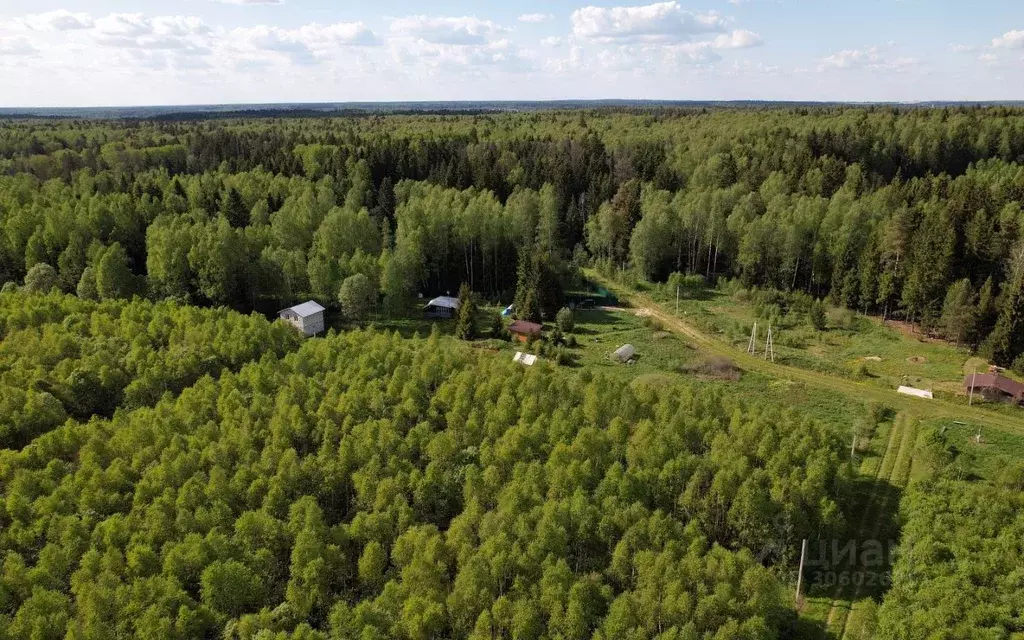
(1010, 40)
(873, 58)
(962, 48)
(16, 46)
(738, 39)
(552, 41)
(664, 21)
(452, 31)
(303, 46)
(535, 17)
(124, 24)
(60, 20)
(988, 58)
(250, 2)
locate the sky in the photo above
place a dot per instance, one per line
(65, 53)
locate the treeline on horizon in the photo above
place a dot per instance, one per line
(907, 213)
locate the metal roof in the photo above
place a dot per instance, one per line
(305, 309)
(525, 328)
(996, 381)
(524, 358)
(911, 391)
(446, 302)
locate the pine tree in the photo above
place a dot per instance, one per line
(959, 312)
(1007, 339)
(465, 318)
(233, 208)
(526, 305)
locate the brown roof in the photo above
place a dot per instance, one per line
(525, 328)
(996, 381)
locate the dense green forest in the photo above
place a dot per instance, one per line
(175, 465)
(907, 213)
(366, 485)
(959, 569)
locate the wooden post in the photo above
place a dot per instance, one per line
(974, 375)
(677, 299)
(853, 447)
(752, 345)
(800, 571)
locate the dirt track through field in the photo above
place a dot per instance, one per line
(643, 305)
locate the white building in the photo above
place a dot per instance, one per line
(441, 307)
(308, 317)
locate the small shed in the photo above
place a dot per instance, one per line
(441, 307)
(624, 353)
(524, 331)
(917, 393)
(524, 358)
(307, 317)
(995, 387)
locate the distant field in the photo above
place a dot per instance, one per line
(852, 346)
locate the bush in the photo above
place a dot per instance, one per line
(565, 319)
(1018, 365)
(497, 326)
(843, 319)
(817, 315)
(562, 356)
(570, 341)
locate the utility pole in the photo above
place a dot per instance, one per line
(677, 299)
(974, 375)
(752, 345)
(769, 345)
(853, 447)
(800, 571)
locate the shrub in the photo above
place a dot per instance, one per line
(565, 319)
(1018, 365)
(817, 315)
(843, 318)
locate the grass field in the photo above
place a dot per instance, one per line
(852, 346)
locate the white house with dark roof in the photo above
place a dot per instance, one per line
(308, 317)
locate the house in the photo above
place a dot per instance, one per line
(624, 353)
(441, 307)
(524, 331)
(995, 387)
(308, 317)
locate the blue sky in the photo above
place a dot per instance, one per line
(90, 53)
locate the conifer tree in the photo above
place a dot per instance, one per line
(465, 317)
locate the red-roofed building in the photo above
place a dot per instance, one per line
(995, 387)
(524, 331)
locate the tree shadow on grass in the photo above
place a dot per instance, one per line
(601, 317)
(859, 561)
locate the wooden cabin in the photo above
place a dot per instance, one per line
(524, 331)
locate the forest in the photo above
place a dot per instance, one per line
(368, 485)
(905, 213)
(175, 463)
